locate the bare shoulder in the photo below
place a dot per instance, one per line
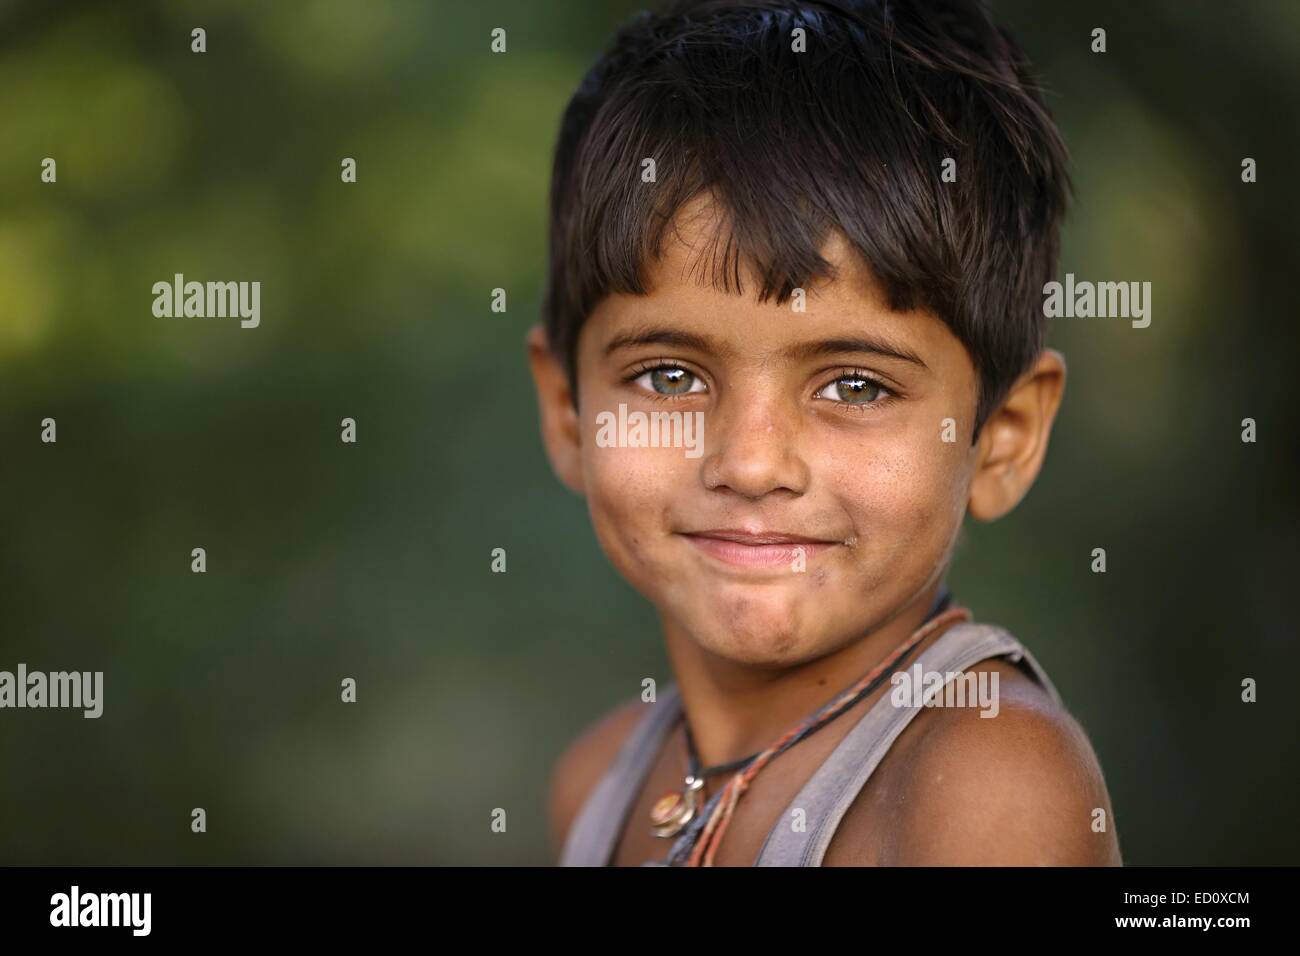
(583, 762)
(1014, 784)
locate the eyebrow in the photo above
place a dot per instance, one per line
(802, 351)
(867, 344)
(662, 336)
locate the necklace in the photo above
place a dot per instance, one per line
(676, 808)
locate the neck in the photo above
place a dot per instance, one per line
(737, 709)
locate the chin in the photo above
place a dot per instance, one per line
(761, 629)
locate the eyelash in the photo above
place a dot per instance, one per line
(886, 397)
(658, 365)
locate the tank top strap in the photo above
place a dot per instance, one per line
(593, 837)
(831, 790)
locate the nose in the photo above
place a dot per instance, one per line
(754, 451)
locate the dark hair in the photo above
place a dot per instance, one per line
(848, 135)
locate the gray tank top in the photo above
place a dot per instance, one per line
(828, 794)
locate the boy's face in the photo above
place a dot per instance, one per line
(824, 499)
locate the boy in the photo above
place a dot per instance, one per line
(820, 229)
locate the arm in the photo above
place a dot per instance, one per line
(1019, 789)
(580, 767)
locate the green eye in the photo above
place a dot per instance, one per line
(670, 380)
(853, 390)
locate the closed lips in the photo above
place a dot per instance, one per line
(755, 549)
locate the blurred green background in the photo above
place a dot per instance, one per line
(371, 560)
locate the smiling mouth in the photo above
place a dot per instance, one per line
(756, 549)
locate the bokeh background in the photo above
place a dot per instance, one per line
(371, 560)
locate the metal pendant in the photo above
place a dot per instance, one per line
(674, 810)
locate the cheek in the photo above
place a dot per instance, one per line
(901, 492)
(629, 494)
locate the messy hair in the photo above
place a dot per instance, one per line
(850, 134)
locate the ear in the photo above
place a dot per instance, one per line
(561, 431)
(1013, 443)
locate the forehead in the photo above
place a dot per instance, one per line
(687, 289)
